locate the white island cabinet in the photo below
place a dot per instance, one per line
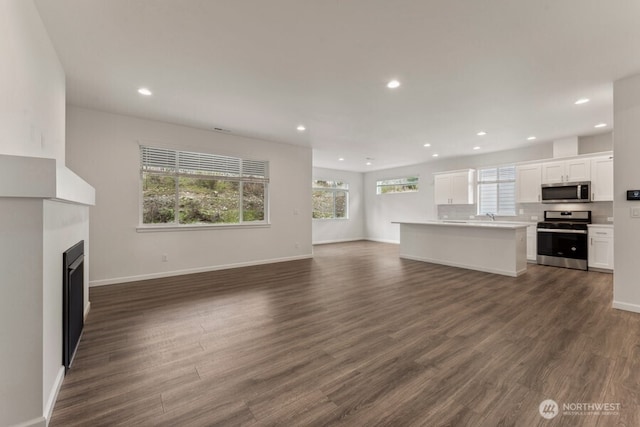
(484, 246)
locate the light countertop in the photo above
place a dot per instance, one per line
(462, 223)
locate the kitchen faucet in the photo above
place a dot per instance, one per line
(491, 215)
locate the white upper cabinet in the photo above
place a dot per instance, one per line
(602, 179)
(454, 188)
(528, 181)
(574, 170)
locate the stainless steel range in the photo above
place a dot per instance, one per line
(562, 239)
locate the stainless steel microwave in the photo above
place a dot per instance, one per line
(567, 192)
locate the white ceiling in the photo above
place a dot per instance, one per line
(512, 68)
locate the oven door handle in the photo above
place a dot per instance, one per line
(559, 230)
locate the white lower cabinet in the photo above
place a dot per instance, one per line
(601, 247)
(532, 243)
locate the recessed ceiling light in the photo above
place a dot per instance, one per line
(481, 133)
(301, 128)
(531, 138)
(600, 125)
(427, 145)
(435, 155)
(368, 163)
(393, 84)
(341, 159)
(476, 148)
(144, 91)
(582, 101)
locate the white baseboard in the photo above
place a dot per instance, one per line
(53, 395)
(626, 306)
(326, 242)
(86, 310)
(36, 422)
(136, 278)
(395, 242)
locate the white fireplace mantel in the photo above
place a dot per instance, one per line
(36, 177)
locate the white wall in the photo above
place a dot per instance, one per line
(20, 310)
(33, 231)
(342, 230)
(104, 149)
(32, 84)
(626, 113)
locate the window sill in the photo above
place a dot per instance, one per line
(330, 219)
(155, 228)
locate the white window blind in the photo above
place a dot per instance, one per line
(193, 164)
(497, 191)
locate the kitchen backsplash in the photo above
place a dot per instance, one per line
(600, 211)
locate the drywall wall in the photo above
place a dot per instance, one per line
(595, 143)
(21, 321)
(104, 148)
(626, 113)
(32, 84)
(341, 230)
(32, 124)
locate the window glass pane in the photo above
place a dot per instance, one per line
(158, 199)
(322, 204)
(253, 201)
(209, 201)
(341, 203)
(397, 185)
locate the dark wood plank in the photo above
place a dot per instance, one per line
(355, 336)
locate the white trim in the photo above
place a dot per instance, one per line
(395, 242)
(36, 422)
(117, 280)
(53, 395)
(466, 267)
(87, 308)
(325, 242)
(626, 306)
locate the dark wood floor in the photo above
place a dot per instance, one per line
(358, 337)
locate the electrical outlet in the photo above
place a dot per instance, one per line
(297, 245)
(165, 257)
(534, 217)
(610, 219)
(635, 212)
(521, 211)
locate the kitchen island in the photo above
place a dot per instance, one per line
(493, 247)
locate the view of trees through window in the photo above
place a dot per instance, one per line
(397, 185)
(200, 200)
(330, 199)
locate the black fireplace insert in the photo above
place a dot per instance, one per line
(72, 301)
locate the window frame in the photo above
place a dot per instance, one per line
(497, 182)
(178, 172)
(402, 181)
(333, 190)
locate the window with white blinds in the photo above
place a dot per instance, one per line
(187, 188)
(497, 191)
